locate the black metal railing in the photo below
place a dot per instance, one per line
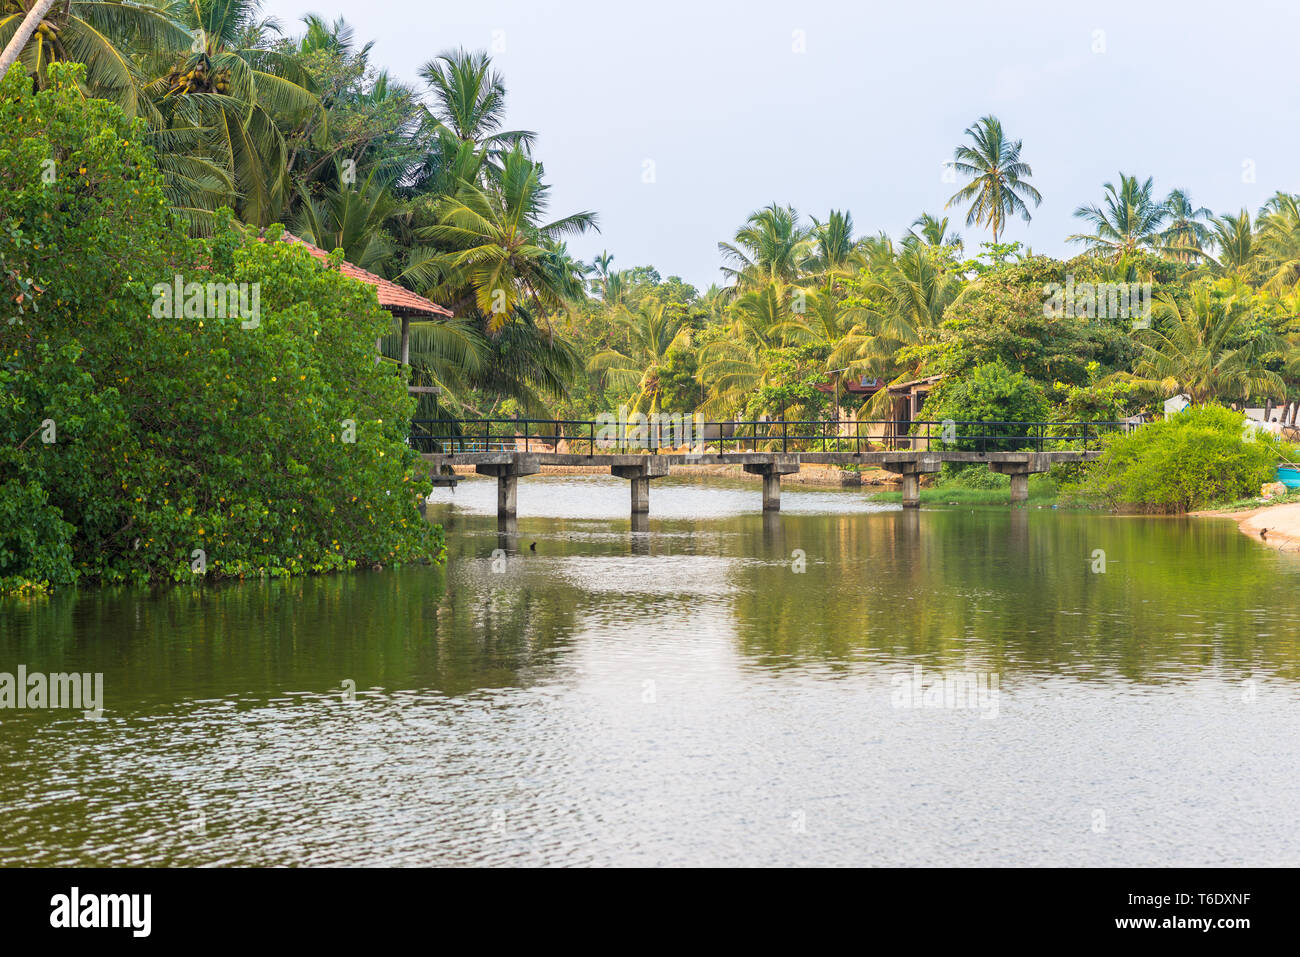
(589, 437)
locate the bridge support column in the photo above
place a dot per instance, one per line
(909, 468)
(507, 476)
(772, 472)
(1019, 473)
(640, 494)
(1019, 486)
(911, 489)
(639, 475)
(507, 494)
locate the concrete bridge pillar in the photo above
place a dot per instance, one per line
(507, 476)
(641, 494)
(1019, 473)
(772, 472)
(910, 468)
(1019, 486)
(911, 489)
(639, 475)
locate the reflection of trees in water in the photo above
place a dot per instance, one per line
(387, 629)
(1015, 591)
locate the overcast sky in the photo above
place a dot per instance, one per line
(858, 105)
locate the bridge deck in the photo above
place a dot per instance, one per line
(881, 459)
(639, 469)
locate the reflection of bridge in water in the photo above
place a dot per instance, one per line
(771, 449)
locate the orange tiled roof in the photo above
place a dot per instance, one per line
(398, 300)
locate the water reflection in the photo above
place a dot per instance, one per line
(672, 688)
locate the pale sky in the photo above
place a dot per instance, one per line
(861, 107)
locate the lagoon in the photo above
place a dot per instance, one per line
(718, 689)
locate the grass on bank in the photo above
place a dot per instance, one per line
(977, 485)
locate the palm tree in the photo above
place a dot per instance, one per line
(1130, 220)
(1188, 231)
(911, 296)
(934, 232)
(999, 180)
(835, 252)
(1204, 348)
(1235, 240)
(772, 246)
(601, 267)
(736, 364)
(653, 334)
(470, 103)
(234, 100)
(491, 246)
(103, 35)
(1279, 240)
(915, 293)
(352, 219)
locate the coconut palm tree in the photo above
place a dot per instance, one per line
(351, 218)
(469, 102)
(1188, 231)
(934, 232)
(490, 247)
(1129, 220)
(1205, 348)
(835, 251)
(999, 182)
(234, 100)
(1234, 238)
(1279, 240)
(103, 35)
(736, 364)
(653, 333)
(772, 246)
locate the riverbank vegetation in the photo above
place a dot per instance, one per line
(142, 445)
(1201, 457)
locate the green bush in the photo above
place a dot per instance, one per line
(35, 541)
(1201, 457)
(989, 393)
(179, 442)
(976, 476)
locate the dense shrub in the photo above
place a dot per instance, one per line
(989, 393)
(170, 443)
(1203, 456)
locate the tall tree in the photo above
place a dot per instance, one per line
(469, 102)
(238, 98)
(934, 231)
(103, 35)
(1206, 348)
(999, 183)
(1188, 230)
(772, 246)
(1129, 220)
(653, 333)
(490, 246)
(1234, 238)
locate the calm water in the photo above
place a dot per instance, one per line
(683, 695)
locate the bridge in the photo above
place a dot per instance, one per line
(510, 449)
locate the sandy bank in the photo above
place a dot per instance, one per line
(1277, 526)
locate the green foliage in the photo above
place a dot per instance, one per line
(990, 393)
(1098, 401)
(1200, 457)
(790, 390)
(152, 435)
(1002, 317)
(35, 541)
